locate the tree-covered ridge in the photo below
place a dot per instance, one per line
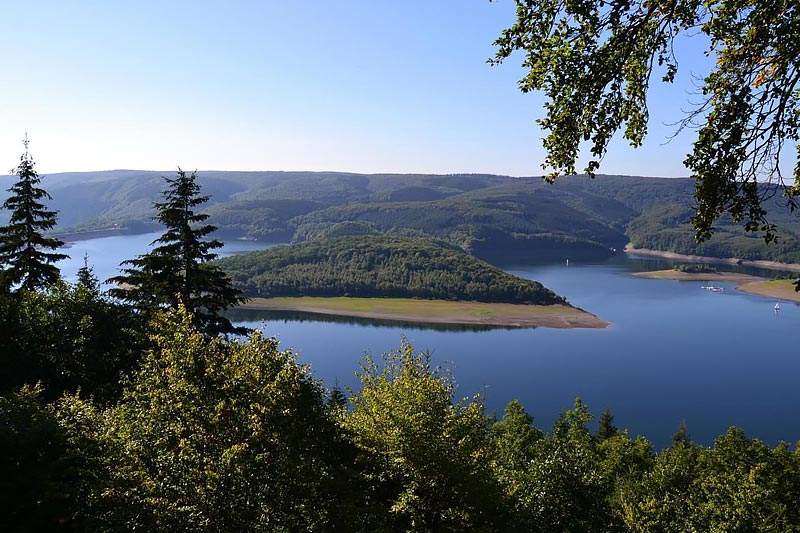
(379, 267)
(669, 228)
(497, 218)
(515, 221)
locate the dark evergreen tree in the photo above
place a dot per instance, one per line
(337, 397)
(178, 269)
(682, 437)
(24, 254)
(87, 278)
(605, 426)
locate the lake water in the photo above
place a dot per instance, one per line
(674, 352)
(106, 253)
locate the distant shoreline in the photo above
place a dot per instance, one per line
(74, 236)
(781, 289)
(436, 311)
(698, 276)
(771, 265)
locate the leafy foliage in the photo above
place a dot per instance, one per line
(595, 62)
(234, 435)
(223, 436)
(34, 468)
(70, 338)
(382, 267)
(425, 453)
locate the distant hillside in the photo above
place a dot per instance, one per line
(497, 218)
(379, 267)
(668, 228)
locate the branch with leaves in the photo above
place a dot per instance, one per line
(595, 60)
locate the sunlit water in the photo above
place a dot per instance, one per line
(674, 352)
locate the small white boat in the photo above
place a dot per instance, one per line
(713, 288)
(777, 307)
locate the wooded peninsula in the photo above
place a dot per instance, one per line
(416, 280)
(380, 267)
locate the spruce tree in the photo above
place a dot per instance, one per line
(605, 427)
(178, 269)
(24, 254)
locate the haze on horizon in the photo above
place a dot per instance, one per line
(356, 86)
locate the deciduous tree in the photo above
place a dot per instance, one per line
(70, 337)
(426, 455)
(217, 435)
(595, 61)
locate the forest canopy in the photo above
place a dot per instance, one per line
(379, 267)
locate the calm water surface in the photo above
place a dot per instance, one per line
(674, 352)
(105, 254)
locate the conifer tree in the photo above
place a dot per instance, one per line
(24, 254)
(178, 269)
(605, 426)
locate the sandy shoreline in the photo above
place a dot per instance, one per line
(436, 311)
(772, 265)
(698, 276)
(781, 289)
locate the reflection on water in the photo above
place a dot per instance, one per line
(252, 317)
(105, 254)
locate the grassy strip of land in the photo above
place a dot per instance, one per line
(782, 289)
(436, 311)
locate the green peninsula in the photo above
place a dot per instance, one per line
(413, 280)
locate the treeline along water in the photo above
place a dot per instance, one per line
(674, 352)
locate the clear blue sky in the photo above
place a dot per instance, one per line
(362, 86)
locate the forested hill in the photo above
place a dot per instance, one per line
(380, 267)
(496, 218)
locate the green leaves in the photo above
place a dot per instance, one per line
(595, 60)
(235, 435)
(227, 436)
(426, 453)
